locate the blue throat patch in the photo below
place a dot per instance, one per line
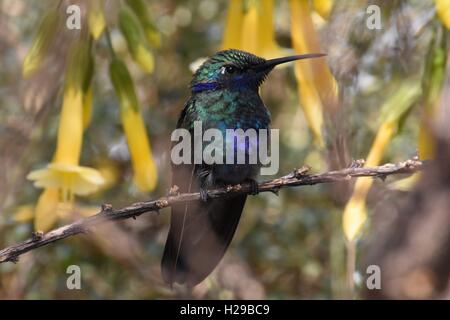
(239, 82)
(203, 86)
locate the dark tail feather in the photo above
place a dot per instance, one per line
(204, 232)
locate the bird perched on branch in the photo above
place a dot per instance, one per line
(224, 95)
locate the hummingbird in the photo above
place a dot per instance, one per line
(224, 95)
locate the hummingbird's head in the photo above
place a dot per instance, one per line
(236, 69)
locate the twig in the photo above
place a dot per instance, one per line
(298, 177)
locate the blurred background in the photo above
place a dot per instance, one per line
(87, 107)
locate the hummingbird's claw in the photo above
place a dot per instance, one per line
(204, 195)
(173, 191)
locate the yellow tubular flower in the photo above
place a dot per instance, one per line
(145, 172)
(252, 30)
(258, 33)
(96, 18)
(70, 127)
(144, 167)
(268, 46)
(68, 178)
(310, 102)
(64, 173)
(443, 11)
(233, 26)
(355, 213)
(304, 41)
(267, 30)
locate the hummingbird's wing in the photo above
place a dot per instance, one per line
(200, 232)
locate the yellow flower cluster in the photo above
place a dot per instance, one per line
(64, 178)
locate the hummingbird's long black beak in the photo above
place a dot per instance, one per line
(271, 63)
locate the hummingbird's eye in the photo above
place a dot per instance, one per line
(228, 69)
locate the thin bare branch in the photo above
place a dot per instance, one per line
(299, 177)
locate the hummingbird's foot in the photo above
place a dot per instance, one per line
(254, 186)
(173, 191)
(204, 197)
